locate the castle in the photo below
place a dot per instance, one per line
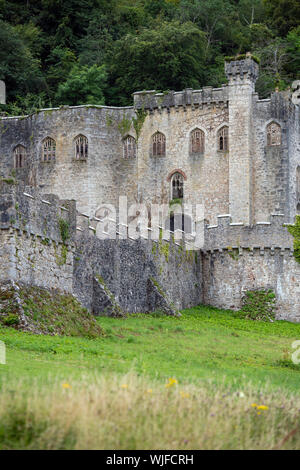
(225, 149)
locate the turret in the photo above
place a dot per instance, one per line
(242, 73)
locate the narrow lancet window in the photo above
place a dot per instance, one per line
(273, 134)
(197, 143)
(223, 141)
(177, 186)
(20, 156)
(129, 147)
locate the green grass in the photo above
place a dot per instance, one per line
(205, 344)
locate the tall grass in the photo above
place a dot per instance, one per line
(129, 412)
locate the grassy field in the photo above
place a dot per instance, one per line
(209, 355)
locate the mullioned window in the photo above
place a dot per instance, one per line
(49, 150)
(158, 145)
(20, 156)
(223, 139)
(81, 147)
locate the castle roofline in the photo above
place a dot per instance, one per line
(98, 106)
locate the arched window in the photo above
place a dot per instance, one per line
(197, 141)
(223, 140)
(129, 147)
(81, 147)
(177, 186)
(158, 145)
(20, 156)
(49, 150)
(273, 134)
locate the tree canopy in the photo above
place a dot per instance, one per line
(56, 52)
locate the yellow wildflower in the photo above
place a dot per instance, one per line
(184, 395)
(66, 385)
(124, 386)
(262, 407)
(254, 405)
(171, 382)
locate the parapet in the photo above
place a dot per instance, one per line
(24, 209)
(265, 234)
(151, 100)
(241, 68)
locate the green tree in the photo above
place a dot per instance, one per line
(84, 85)
(293, 51)
(60, 62)
(171, 56)
(284, 14)
(18, 68)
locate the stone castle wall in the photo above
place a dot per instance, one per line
(238, 258)
(229, 274)
(92, 182)
(206, 175)
(128, 267)
(31, 246)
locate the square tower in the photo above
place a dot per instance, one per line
(242, 74)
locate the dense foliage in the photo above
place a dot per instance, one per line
(56, 52)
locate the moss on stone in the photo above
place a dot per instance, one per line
(295, 231)
(138, 121)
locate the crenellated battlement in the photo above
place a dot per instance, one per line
(208, 96)
(25, 210)
(270, 234)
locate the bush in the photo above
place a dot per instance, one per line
(259, 305)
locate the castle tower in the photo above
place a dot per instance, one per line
(242, 75)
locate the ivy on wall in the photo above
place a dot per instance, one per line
(295, 231)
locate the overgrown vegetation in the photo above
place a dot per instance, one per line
(259, 305)
(47, 312)
(64, 229)
(131, 412)
(72, 52)
(295, 231)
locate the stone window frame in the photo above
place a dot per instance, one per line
(129, 147)
(201, 144)
(158, 148)
(48, 150)
(220, 135)
(81, 147)
(275, 141)
(170, 179)
(19, 157)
